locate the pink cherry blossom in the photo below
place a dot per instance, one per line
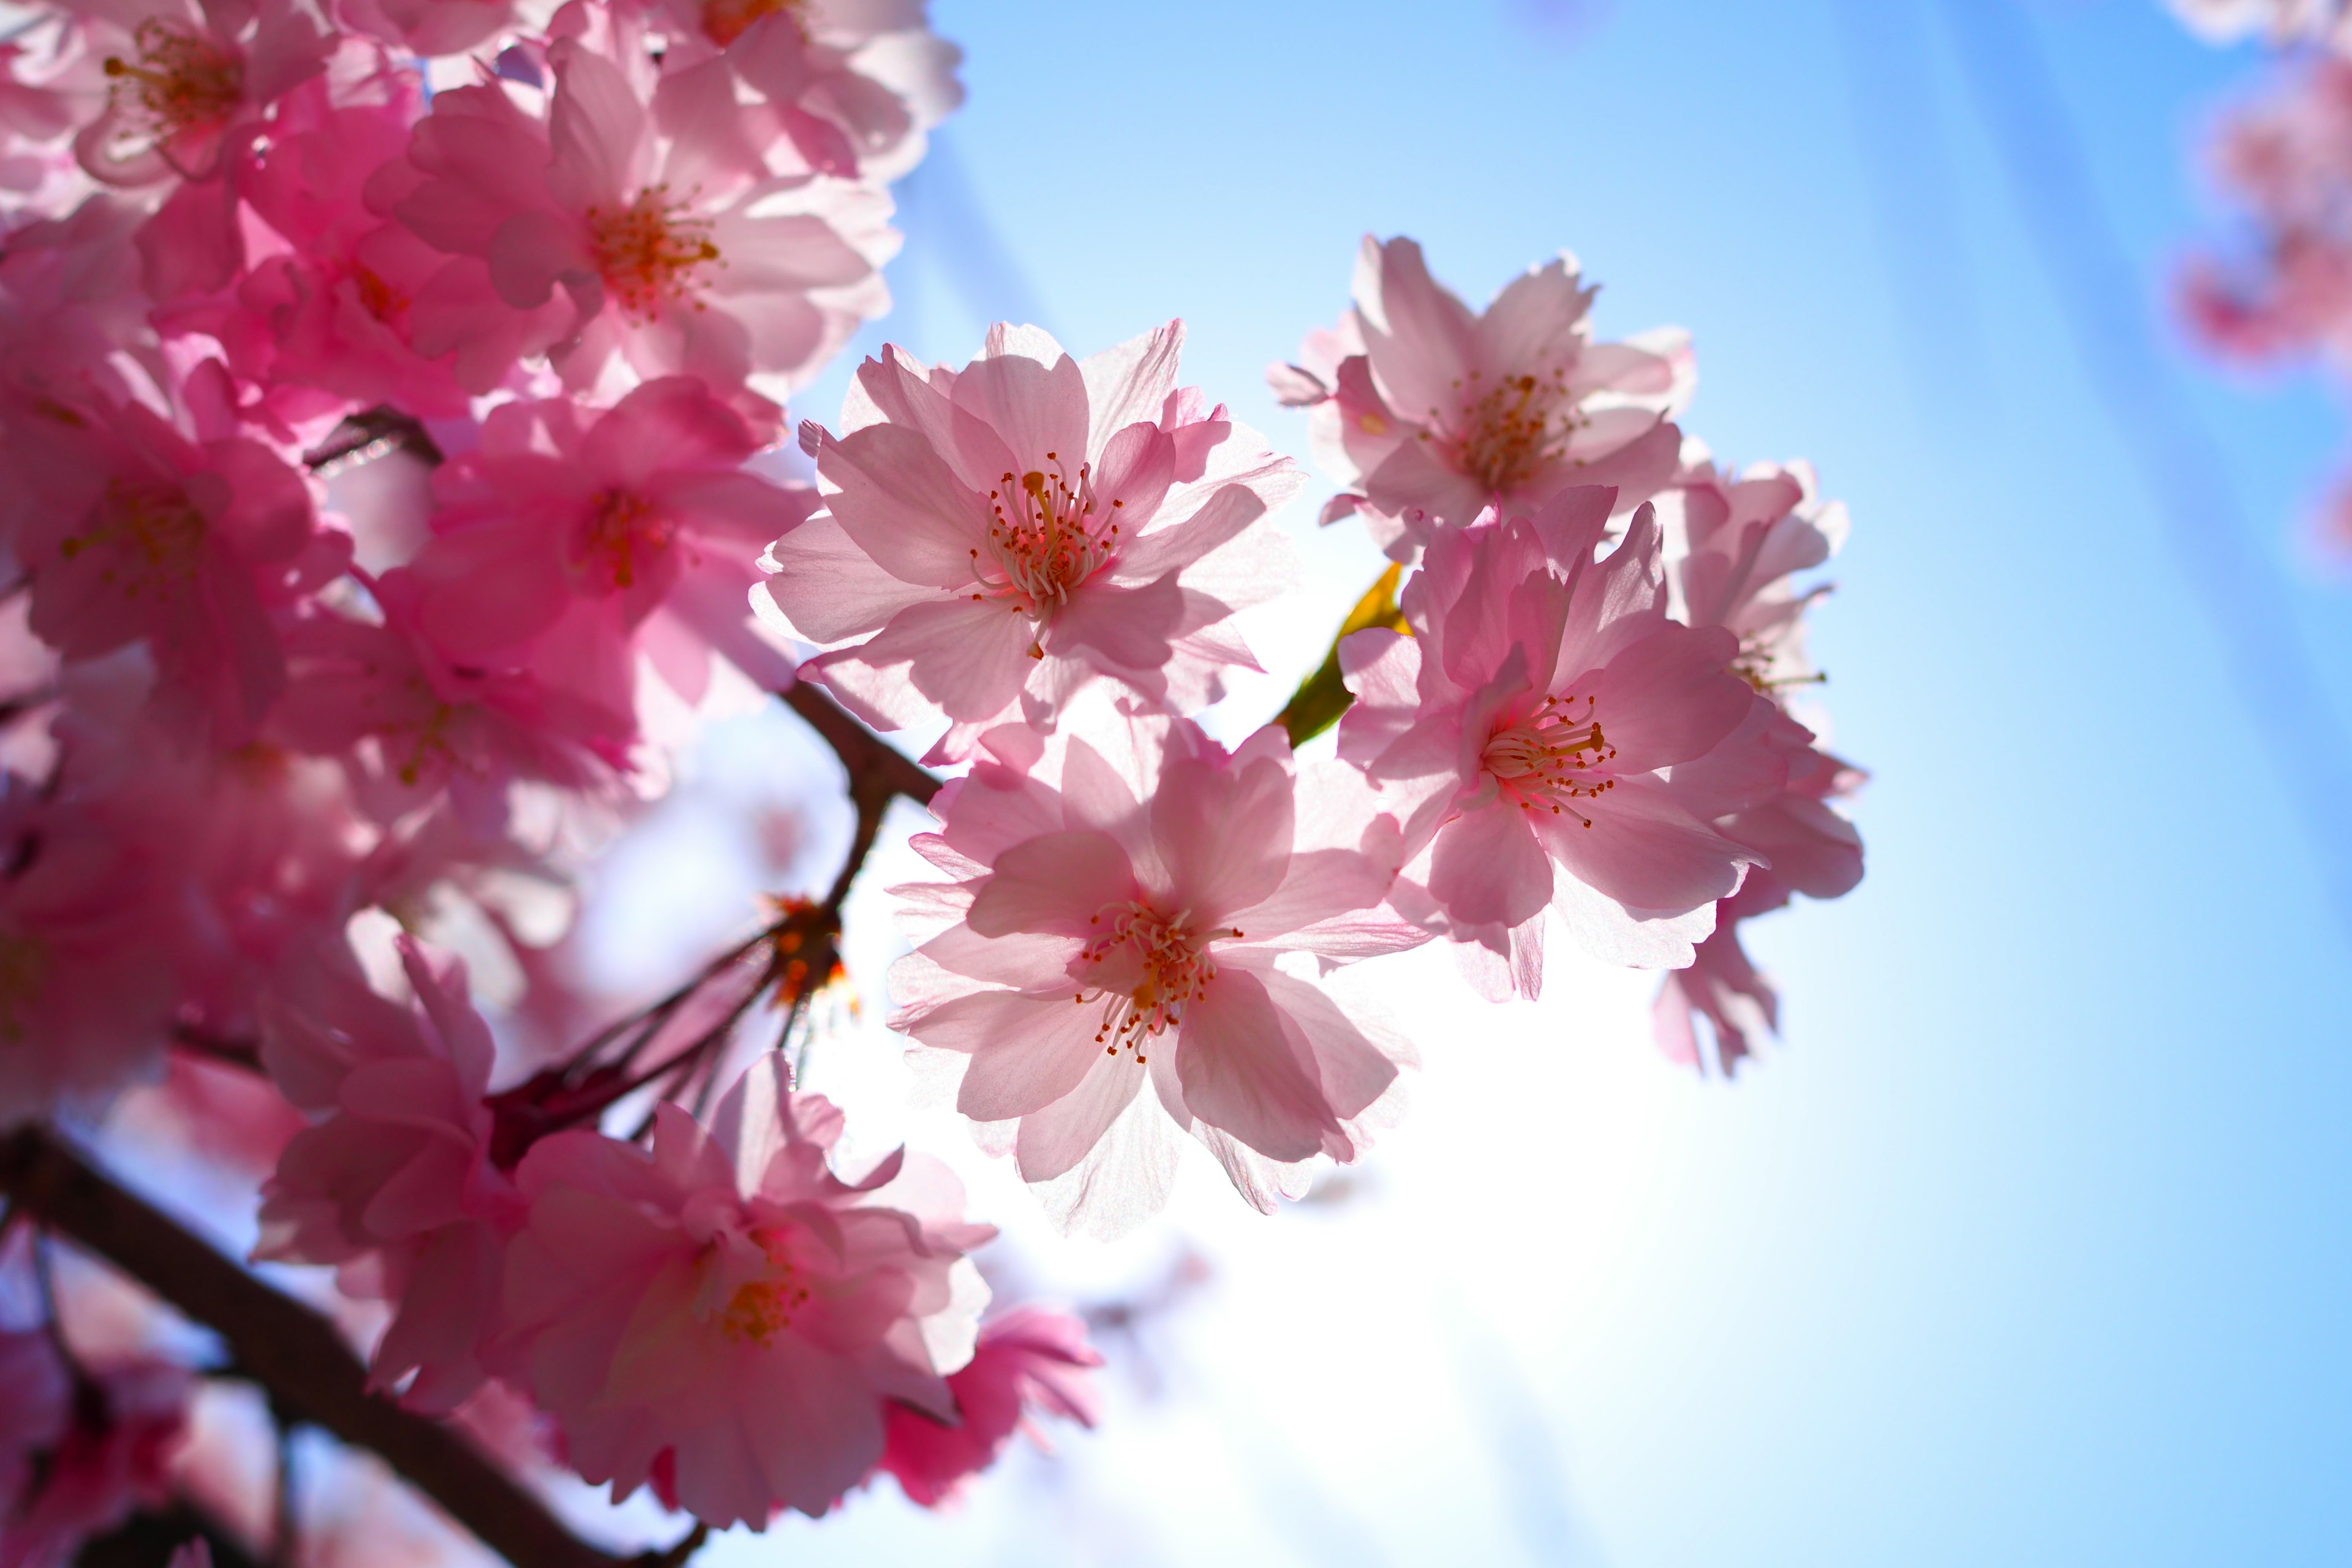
(1538, 724)
(626, 229)
(1003, 536)
(385, 697)
(134, 533)
(319, 320)
(1027, 1360)
(126, 1420)
(396, 1183)
(647, 507)
(2279, 21)
(184, 78)
(1120, 912)
(87, 952)
(1743, 539)
(850, 86)
(36, 1391)
(726, 1310)
(1430, 413)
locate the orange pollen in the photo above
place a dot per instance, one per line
(724, 21)
(181, 81)
(1508, 433)
(761, 1308)
(1548, 758)
(1048, 535)
(1163, 968)
(648, 253)
(623, 534)
(378, 297)
(151, 539)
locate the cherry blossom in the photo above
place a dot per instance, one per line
(645, 508)
(1027, 1360)
(2279, 21)
(396, 1178)
(1429, 413)
(619, 229)
(1538, 724)
(1157, 881)
(851, 85)
(728, 1308)
(997, 539)
(125, 1419)
(134, 533)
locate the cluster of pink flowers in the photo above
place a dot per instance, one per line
(391, 450)
(2280, 291)
(386, 388)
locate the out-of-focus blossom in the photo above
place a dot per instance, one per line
(89, 958)
(1120, 911)
(397, 1176)
(319, 324)
(123, 1422)
(1005, 535)
(724, 1315)
(134, 533)
(1429, 413)
(36, 1391)
(627, 231)
(382, 696)
(645, 510)
(2279, 21)
(1029, 1360)
(851, 85)
(1537, 725)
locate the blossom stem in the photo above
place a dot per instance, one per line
(291, 1350)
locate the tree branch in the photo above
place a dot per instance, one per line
(873, 763)
(297, 1354)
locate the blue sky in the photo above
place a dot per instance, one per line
(2030, 1247)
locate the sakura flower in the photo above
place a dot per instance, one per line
(1029, 1359)
(1430, 413)
(397, 1176)
(1537, 725)
(87, 952)
(1120, 912)
(2279, 21)
(135, 533)
(386, 697)
(647, 507)
(319, 322)
(597, 236)
(727, 1314)
(36, 1390)
(187, 86)
(1742, 540)
(127, 1418)
(851, 84)
(1003, 536)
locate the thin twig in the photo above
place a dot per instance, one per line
(290, 1350)
(861, 750)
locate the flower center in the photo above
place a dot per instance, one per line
(181, 81)
(1549, 757)
(621, 537)
(649, 252)
(1509, 432)
(761, 1308)
(724, 21)
(1049, 536)
(1148, 970)
(151, 539)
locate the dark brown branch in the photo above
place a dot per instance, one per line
(290, 1350)
(873, 763)
(148, 1539)
(371, 435)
